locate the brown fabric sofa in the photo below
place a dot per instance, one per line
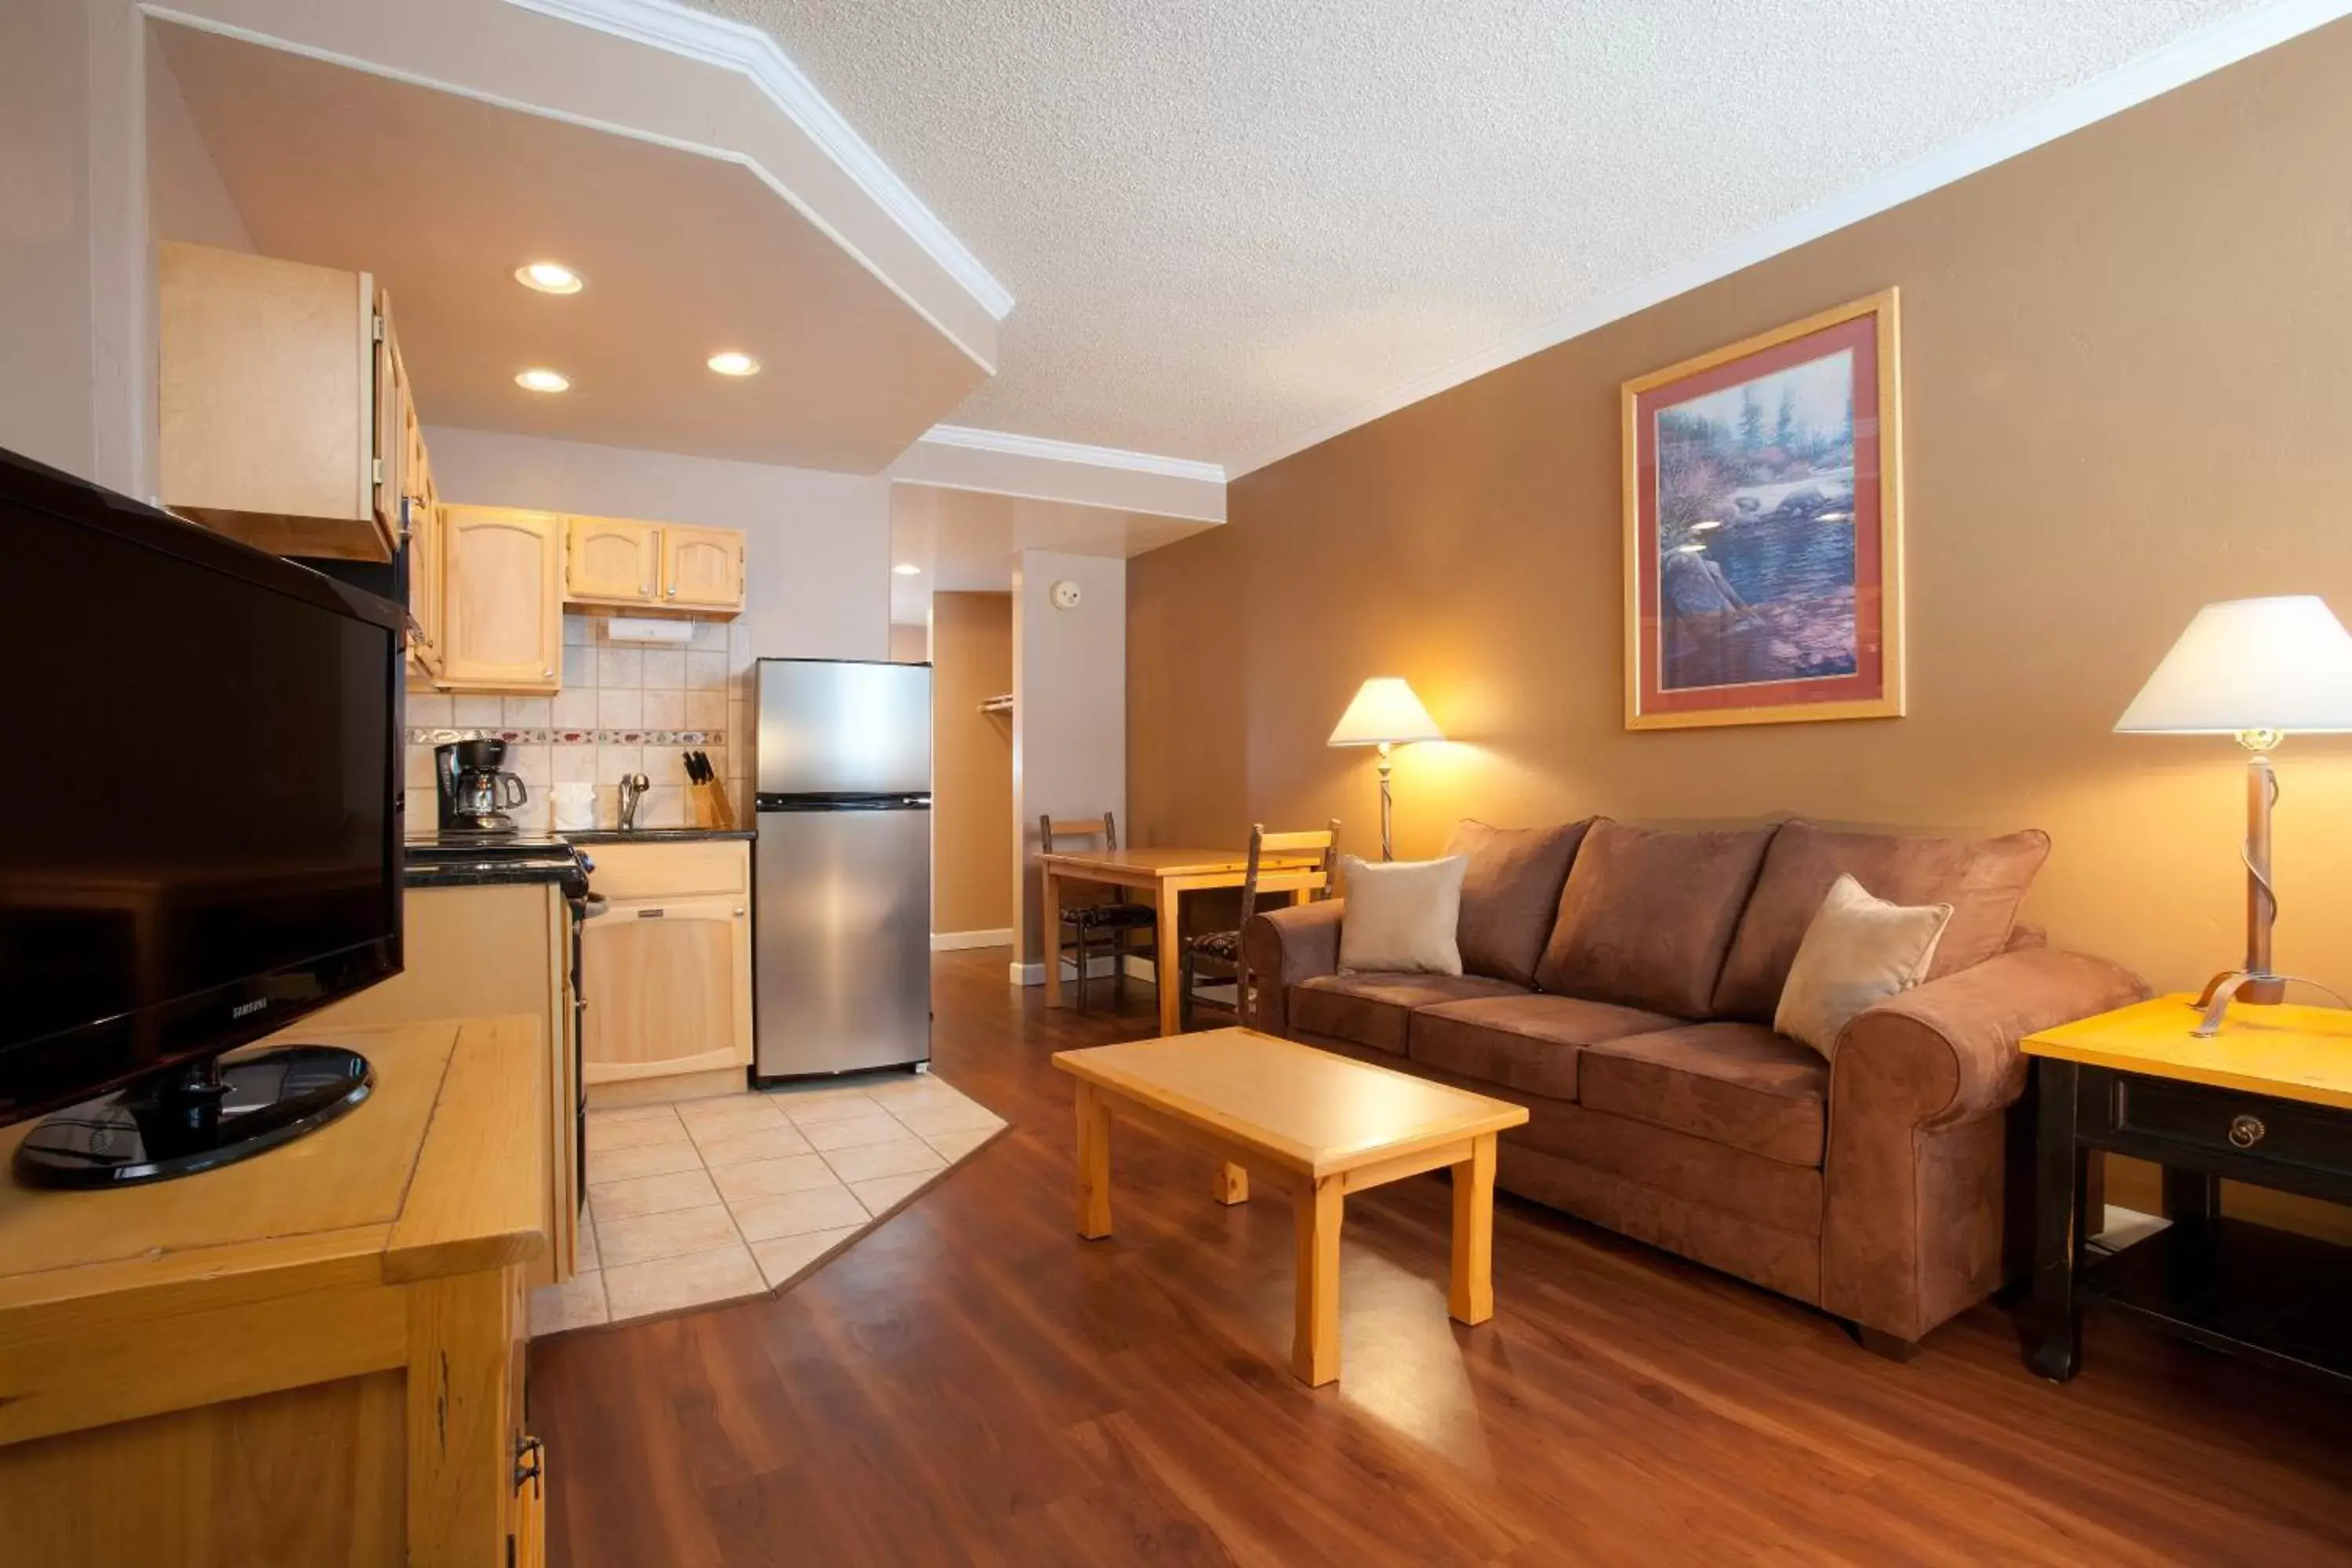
(1621, 983)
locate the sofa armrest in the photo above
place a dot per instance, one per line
(1948, 1050)
(1283, 947)
(1915, 1198)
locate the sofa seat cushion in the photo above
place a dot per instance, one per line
(1372, 1009)
(1983, 879)
(1646, 917)
(1736, 1084)
(1525, 1043)
(1739, 1185)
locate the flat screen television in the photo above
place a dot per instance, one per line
(200, 833)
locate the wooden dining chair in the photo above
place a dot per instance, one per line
(1217, 956)
(1116, 920)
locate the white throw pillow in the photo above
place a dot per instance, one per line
(1401, 915)
(1858, 951)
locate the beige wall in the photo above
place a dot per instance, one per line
(1069, 712)
(910, 643)
(186, 199)
(972, 764)
(2126, 378)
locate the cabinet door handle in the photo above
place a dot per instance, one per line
(2245, 1132)
(651, 914)
(738, 911)
(547, 675)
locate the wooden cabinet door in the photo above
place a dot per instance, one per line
(702, 568)
(266, 406)
(420, 504)
(390, 401)
(668, 985)
(611, 561)
(502, 605)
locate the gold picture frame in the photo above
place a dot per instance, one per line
(1713, 503)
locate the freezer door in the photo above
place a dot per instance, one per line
(841, 939)
(832, 727)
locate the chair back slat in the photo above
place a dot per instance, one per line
(1051, 829)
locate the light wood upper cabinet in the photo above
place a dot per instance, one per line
(422, 501)
(502, 610)
(268, 402)
(666, 968)
(619, 563)
(611, 561)
(702, 568)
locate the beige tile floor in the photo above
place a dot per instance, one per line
(700, 1201)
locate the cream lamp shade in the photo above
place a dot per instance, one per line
(2281, 665)
(1385, 712)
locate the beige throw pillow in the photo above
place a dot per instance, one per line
(1858, 951)
(1401, 915)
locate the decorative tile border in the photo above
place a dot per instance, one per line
(571, 737)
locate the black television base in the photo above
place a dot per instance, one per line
(195, 1118)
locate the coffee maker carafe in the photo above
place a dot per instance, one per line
(475, 789)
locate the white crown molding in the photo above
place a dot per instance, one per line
(738, 46)
(2175, 65)
(1053, 451)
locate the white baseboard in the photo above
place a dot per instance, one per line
(1099, 966)
(955, 940)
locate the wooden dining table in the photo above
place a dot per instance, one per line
(1163, 877)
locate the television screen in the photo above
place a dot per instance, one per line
(200, 821)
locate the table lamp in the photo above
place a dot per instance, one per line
(1386, 714)
(2259, 669)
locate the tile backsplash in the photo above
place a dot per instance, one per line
(624, 709)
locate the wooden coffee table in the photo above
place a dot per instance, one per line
(1323, 1125)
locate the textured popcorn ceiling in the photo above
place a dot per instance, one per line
(1228, 223)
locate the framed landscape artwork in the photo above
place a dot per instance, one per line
(1764, 529)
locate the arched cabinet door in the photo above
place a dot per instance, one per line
(502, 612)
(702, 568)
(612, 561)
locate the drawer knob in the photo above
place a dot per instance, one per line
(2245, 1132)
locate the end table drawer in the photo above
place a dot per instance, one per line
(2244, 1127)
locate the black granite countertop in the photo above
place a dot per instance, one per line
(594, 836)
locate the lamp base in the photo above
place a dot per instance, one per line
(2252, 986)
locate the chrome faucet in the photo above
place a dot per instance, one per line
(632, 790)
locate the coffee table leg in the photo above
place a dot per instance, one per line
(1470, 1298)
(1232, 1184)
(1315, 1341)
(1094, 1164)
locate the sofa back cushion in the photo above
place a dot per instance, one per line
(1510, 895)
(1646, 916)
(1983, 879)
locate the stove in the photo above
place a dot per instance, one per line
(457, 858)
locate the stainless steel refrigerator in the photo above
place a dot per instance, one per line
(841, 871)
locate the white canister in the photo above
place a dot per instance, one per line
(575, 807)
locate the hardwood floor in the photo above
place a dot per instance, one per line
(971, 1384)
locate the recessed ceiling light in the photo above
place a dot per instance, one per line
(548, 278)
(537, 380)
(733, 363)
(907, 569)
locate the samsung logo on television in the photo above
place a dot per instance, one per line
(256, 1006)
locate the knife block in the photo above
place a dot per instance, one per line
(712, 807)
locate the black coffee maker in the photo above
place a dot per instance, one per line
(474, 788)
